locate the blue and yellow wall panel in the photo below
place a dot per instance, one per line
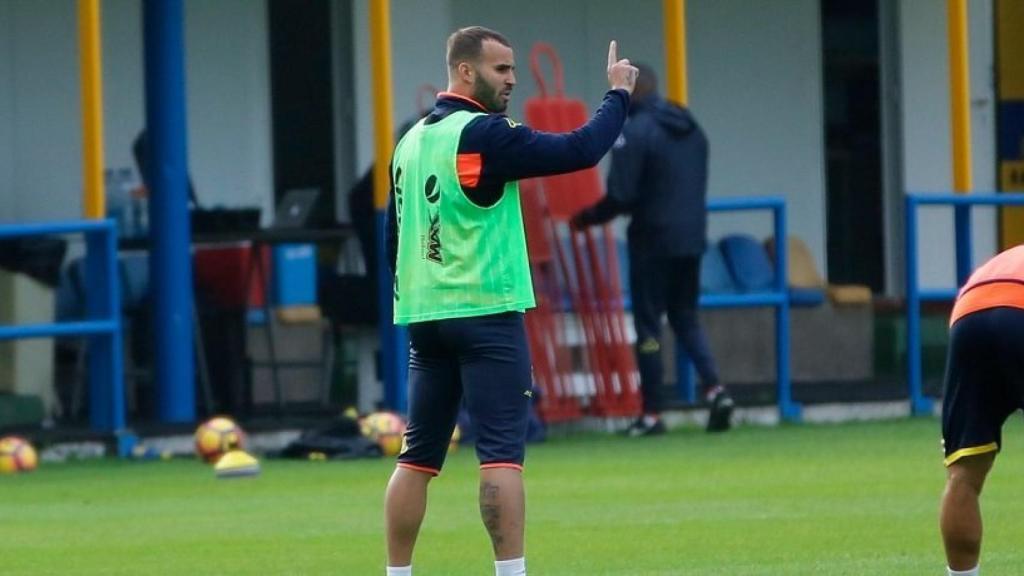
(1010, 89)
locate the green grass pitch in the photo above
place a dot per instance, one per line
(810, 499)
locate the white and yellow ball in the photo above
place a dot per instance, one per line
(218, 436)
(384, 428)
(17, 455)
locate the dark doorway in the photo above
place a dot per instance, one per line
(301, 97)
(853, 142)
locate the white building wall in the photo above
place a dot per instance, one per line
(927, 136)
(418, 34)
(756, 84)
(984, 129)
(6, 113)
(123, 91)
(228, 87)
(45, 121)
(227, 83)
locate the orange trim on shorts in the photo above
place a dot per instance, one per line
(985, 296)
(493, 465)
(469, 167)
(431, 471)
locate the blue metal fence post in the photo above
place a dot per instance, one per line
(962, 204)
(918, 403)
(101, 326)
(103, 302)
(394, 340)
(778, 298)
(788, 410)
(172, 264)
(962, 225)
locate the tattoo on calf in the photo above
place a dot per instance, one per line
(490, 511)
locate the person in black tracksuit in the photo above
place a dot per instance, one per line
(659, 177)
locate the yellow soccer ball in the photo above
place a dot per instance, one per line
(218, 436)
(384, 428)
(17, 455)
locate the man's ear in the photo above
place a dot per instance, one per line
(466, 71)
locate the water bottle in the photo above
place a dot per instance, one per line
(127, 184)
(118, 202)
(139, 202)
(142, 226)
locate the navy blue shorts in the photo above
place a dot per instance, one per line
(984, 381)
(483, 360)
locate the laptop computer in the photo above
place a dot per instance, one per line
(296, 209)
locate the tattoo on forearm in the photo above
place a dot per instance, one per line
(490, 511)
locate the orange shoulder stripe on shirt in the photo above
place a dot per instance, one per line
(469, 167)
(985, 296)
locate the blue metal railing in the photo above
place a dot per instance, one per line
(102, 324)
(777, 298)
(962, 204)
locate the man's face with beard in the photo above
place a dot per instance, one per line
(495, 76)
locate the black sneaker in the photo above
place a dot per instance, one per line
(647, 426)
(720, 411)
(633, 427)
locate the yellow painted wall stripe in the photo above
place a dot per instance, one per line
(383, 123)
(94, 199)
(959, 85)
(971, 451)
(674, 19)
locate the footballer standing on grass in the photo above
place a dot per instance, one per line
(462, 282)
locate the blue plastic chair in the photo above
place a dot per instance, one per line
(748, 263)
(715, 277)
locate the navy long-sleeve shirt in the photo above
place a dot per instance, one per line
(494, 150)
(658, 176)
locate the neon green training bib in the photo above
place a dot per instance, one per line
(455, 258)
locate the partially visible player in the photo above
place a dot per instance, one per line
(984, 384)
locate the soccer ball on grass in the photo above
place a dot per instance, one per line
(218, 436)
(17, 455)
(384, 428)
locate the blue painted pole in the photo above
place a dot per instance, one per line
(172, 266)
(918, 403)
(962, 225)
(777, 298)
(103, 303)
(394, 340)
(102, 324)
(788, 410)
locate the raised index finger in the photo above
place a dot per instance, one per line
(612, 54)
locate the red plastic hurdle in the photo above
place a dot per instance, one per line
(552, 360)
(591, 280)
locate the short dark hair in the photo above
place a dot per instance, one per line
(467, 43)
(647, 80)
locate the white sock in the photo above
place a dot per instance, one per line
(513, 567)
(971, 572)
(400, 570)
